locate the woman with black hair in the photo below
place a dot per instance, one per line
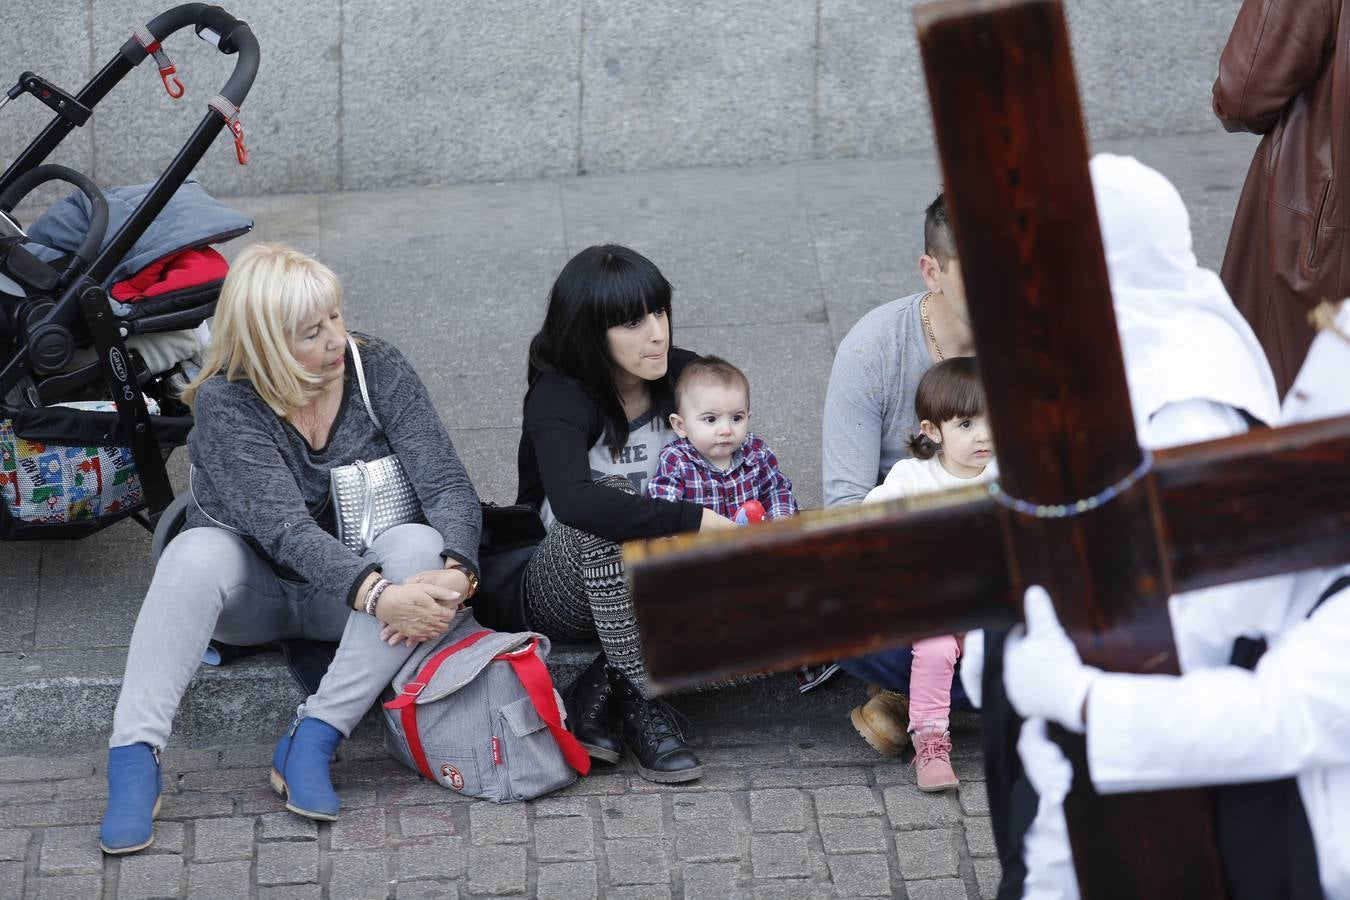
(601, 376)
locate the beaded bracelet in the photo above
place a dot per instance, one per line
(1076, 507)
(373, 596)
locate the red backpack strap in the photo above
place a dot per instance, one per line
(406, 701)
(534, 676)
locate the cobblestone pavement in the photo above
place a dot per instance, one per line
(782, 812)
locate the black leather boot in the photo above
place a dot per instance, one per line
(651, 731)
(590, 712)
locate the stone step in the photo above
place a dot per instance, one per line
(65, 698)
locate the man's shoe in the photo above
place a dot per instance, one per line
(883, 721)
(300, 769)
(134, 785)
(590, 712)
(651, 732)
(932, 759)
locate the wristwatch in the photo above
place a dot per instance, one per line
(468, 573)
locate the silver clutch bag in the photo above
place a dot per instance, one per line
(370, 497)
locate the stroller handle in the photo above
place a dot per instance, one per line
(98, 213)
(235, 37)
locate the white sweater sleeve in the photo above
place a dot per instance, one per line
(1290, 715)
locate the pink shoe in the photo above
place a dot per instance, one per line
(932, 759)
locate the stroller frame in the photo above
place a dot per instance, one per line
(81, 292)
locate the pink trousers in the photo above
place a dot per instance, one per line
(930, 681)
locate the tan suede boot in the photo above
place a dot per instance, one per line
(883, 721)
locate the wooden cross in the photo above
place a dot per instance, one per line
(843, 582)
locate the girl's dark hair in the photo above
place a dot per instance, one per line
(949, 390)
(599, 288)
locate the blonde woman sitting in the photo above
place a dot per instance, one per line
(277, 406)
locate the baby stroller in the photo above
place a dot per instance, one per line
(89, 408)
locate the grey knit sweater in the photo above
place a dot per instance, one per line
(869, 405)
(255, 473)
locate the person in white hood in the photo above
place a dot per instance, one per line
(1278, 734)
(1195, 372)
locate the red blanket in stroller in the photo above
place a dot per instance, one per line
(185, 269)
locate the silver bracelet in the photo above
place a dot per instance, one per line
(373, 595)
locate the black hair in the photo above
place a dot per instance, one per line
(599, 288)
(937, 232)
(951, 389)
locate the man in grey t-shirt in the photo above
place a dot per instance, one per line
(869, 406)
(869, 419)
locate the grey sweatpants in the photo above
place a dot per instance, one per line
(210, 583)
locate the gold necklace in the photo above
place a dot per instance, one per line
(923, 312)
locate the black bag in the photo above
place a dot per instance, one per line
(510, 536)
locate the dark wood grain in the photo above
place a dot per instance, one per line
(1264, 503)
(824, 585)
(1014, 159)
(1268, 502)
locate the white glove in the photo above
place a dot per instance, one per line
(972, 667)
(1042, 671)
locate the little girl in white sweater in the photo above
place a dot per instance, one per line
(953, 449)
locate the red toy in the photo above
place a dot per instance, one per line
(751, 511)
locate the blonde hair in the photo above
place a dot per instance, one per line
(1323, 317)
(270, 291)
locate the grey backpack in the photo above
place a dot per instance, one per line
(476, 712)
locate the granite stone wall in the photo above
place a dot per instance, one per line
(359, 94)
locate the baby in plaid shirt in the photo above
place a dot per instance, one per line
(716, 461)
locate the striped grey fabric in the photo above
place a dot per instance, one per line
(576, 590)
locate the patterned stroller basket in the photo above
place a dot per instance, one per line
(103, 301)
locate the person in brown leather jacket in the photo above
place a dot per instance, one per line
(1285, 74)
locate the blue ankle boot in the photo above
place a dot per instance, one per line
(134, 785)
(300, 769)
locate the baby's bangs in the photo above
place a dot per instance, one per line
(965, 401)
(950, 390)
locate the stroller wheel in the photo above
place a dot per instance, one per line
(50, 347)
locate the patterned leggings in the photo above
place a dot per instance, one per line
(576, 590)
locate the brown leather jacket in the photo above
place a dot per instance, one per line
(1285, 74)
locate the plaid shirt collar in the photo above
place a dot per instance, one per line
(687, 450)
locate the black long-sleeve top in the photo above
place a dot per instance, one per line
(561, 424)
